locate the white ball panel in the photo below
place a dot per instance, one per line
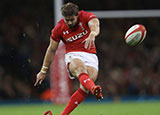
(134, 38)
(132, 29)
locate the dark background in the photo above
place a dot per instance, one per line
(124, 71)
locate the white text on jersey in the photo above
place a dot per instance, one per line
(77, 36)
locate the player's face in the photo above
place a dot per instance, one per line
(71, 21)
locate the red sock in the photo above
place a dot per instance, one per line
(74, 101)
(86, 81)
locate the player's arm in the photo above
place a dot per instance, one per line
(94, 26)
(47, 61)
(49, 54)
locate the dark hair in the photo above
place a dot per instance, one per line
(69, 9)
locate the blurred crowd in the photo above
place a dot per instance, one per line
(24, 37)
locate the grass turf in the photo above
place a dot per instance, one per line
(134, 108)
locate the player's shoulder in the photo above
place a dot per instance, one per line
(85, 14)
(82, 13)
(61, 21)
(60, 25)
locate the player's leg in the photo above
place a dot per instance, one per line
(96, 90)
(74, 101)
(79, 70)
(76, 67)
(86, 75)
(92, 73)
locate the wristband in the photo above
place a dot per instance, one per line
(44, 69)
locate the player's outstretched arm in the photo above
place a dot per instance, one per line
(47, 61)
(94, 26)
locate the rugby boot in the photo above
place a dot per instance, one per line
(97, 91)
(48, 113)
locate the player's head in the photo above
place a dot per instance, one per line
(70, 14)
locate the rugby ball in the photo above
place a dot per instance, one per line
(135, 35)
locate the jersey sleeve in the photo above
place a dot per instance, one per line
(87, 16)
(55, 34)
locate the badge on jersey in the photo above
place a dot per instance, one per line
(80, 24)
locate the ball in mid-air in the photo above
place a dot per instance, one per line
(135, 35)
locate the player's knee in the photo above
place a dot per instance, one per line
(92, 72)
(78, 70)
(94, 78)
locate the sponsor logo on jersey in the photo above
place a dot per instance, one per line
(77, 36)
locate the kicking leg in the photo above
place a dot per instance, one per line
(80, 71)
(75, 67)
(96, 90)
(86, 75)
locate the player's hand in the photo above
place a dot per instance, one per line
(40, 77)
(89, 41)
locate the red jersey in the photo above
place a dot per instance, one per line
(73, 37)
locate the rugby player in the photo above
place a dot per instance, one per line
(78, 30)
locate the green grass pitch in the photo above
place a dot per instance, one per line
(128, 108)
